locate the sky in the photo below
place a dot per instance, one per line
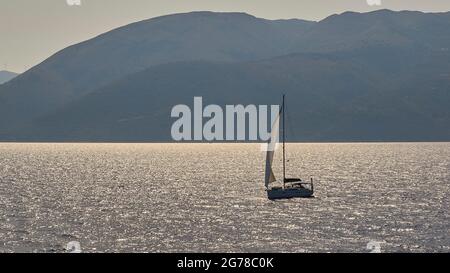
(31, 31)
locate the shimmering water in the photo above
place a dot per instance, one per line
(210, 197)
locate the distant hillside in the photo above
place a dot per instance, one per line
(84, 67)
(330, 98)
(379, 76)
(405, 29)
(6, 76)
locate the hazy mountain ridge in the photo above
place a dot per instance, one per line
(405, 29)
(84, 67)
(372, 76)
(6, 76)
(349, 105)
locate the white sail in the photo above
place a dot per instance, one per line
(271, 147)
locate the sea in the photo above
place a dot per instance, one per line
(369, 197)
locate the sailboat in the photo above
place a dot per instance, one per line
(290, 187)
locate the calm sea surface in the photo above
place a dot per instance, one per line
(210, 197)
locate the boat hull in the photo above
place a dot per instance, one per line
(274, 194)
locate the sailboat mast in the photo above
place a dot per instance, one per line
(284, 143)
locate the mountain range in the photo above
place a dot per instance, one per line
(378, 76)
(6, 76)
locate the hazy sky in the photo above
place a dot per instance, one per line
(32, 30)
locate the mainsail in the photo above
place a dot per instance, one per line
(271, 147)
